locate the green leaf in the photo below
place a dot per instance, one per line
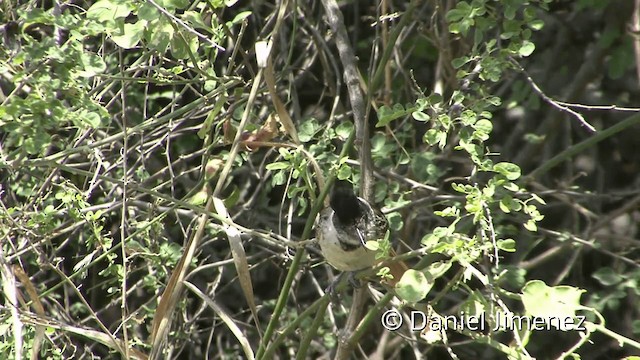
(538, 199)
(195, 20)
(536, 24)
(106, 10)
(159, 34)
(173, 4)
(431, 137)
(420, 116)
(372, 245)
(92, 64)
(531, 226)
(544, 301)
(131, 35)
(508, 204)
(527, 48)
(90, 118)
(395, 221)
(308, 129)
(180, 49)
(148, 12)
(413, 286)
(459, 62)
(483, 129)
(607, 277)
(434, 99)
(461, 11)
(508, 245)
(344, 129)
(280, 165)
(450, 211)
(509, 170)
(344, 172)
(285, 153)
(424, 168)
(279, 178)
(494, 100)
(200, 198)
(241, 16)
(511, 187)
(388, 114)
(437, 269)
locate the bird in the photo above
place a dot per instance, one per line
(345, 226)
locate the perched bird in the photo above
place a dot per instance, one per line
(345, 227)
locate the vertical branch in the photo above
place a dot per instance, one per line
(635, 27)
(356, 97)
(385, 44)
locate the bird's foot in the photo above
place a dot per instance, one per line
(353, 280)
(332, 289)
(335, 285)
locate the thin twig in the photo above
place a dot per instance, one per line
(551, 101)
(185, 26)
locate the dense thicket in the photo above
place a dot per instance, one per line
(145, 139)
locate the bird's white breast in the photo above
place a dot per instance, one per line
(341, 259)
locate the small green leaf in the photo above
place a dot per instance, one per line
(131, 35)
(459, 62)
(413, 286)
(280, 165)
(92, 119)
(531, 226)
(200, 198)
(420, 116)
(455, 15)
(450, 211)
(388, 114)
(106, 10)
(544, 301)
(308, 129)
(508, 204)
(195, 19)
(538, 199)
(508, 245)
(527, 48)
(509, 170)
(344, 129)
(159, 35)
(241, 16)
(395, 221)
(181, 49)
(607, 277)
(536, 24)
(511, 187)
(279, 178)
(431, 137)
(344, 172)
(435, 99)
(92, 64)
(372, 245)
(174, 4)
(148, 12)
(484, 125)
(208, 122)
(437, 269)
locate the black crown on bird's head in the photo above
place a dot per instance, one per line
(356, 216)
(345, 203)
